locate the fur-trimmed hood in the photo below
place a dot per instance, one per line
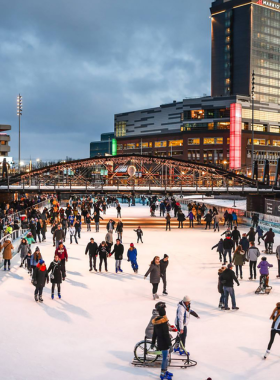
(160, 320)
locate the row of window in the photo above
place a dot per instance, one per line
(265, 21)
(264, 142)
(267, 38)
(209, 126)
(268, 81)
(267, 72)
(266, 46)
(267, 90)
(120, 128)
(270, 13)
(263, 155)
(261, 115)
(270, 30)
(206, 141)
(206, 114)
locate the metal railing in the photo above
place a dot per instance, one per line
(15, 237)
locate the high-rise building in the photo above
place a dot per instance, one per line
(246, 38)
(4, 140)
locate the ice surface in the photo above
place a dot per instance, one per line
(91, 332)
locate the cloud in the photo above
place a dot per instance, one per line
(76, 64)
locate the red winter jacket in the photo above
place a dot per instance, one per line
(61, 253)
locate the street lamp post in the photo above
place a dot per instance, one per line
(19, 113)
(253, 109)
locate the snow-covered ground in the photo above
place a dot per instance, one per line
(91, 332)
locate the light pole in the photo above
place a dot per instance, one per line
(253, 109)
(19, 113)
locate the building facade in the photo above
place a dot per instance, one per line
(102, 147)
(4, 140)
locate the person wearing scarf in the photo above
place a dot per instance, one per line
(40, 276)
(275, 328)
(56, 275)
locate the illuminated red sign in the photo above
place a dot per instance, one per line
(235, 136)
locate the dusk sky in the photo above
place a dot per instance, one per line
(77, 63)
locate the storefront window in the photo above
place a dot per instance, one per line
(213, 140)
(256, 142)
(175, 143)
(160, 144)
(276, 143)
(197, 114)
(130, 146)
(193, 141)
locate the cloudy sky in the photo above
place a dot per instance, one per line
(77, 63)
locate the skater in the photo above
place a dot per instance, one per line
(161, 335)
(139, 233)
(191, 218)
(252, 256)
(23, 249)
(168, 219)
(61, 252)
(255, 220)
(163, 266)
(234, 218)
(221, 288)
(162, 209)
(150, 328)
(110, 225)
(119, 230)
(39, 278)
(235, 237)
(220, 249)
(58, 235)
(182, 319)
(92, 249)
(72, 233)
(238, 260)
(208, 219)
(275, 328)
(29, 238)
(64, 225)
(132, 257)
(251, 235)
(88, 220)
(118, 251)
(278, 259)
(268, 239)
(260, 234)
(55, 276)
(28, 261)
(264, 270)
(154, 272)
(97, 218)
(7, 253)
(216, 220)
(35, 258)
(244, 242)
(109, 240)
(227, 278)
(228, 246)
(181, 218)
(77, 226)
(118, 211)
(103, 253)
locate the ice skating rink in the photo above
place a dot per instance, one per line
(91, 332)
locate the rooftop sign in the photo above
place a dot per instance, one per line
(269, 4)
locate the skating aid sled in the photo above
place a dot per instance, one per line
(264, 288)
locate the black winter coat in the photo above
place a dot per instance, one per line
(119, 227)
(56, 270)
(235, 235)
(118, 251)
(252, 235)
(161, 333)
(227, 278)
(163, 265)
(92, 249)
(103, 252)
(228, 244)
(40, 277)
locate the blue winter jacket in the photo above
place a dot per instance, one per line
(132, 254)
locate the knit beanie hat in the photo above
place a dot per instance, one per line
(165, 256)
(41, 262)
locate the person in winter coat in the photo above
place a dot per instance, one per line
(161, 335)
(154, 272)
(234, 218)
(162, 209)
(28, 261)
(92, 250)
(118, 211)
(35, 258)
(109, 240)
(72, 233)
(182, 319)
(244, 242)
(38, 229)
(61, 252)
(278, 259)
(150, 328)
(77, 226)
(238, 260)
(103, 253)
(58, 235)
(216, 220)
(235, 237)
(191, 218)
(220, 249)
(268, 238)
(39, 278)
(97, 218)
(251, 234)
(168, 220)
(7, 247)
(275, 328)
(208, 219)
(118, 251)
(228, 246)
(264, 269)
(110, 225)
(181, 218)
(230, 219)
(221, 288)
(259, 231)
(119, 229)
(64, 224)
(225, 217)
(132, 257)
(252, 256)
(30, 239)
(227, 278)
(56, 275)
(88, 220)
(139, 233)
(163, 266)
(23, 249)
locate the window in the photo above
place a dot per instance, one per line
(150, 144)
(120, 127)
(228, 140)
(160, 144)
(175, 143)
(193, 141)
(245, 126)
(223, 125)
(130, 146)
(137, 145)
(276, 143)
(145, 145)
(119, 147)
(213, 140)
(210, 126)
(256, 142)
(274, 129)
(197, 114)
(260, 128)
(3, 142)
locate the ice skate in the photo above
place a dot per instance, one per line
(267, 352)
(59, 295)
(52, 296)
(41, 299)
(165, 293)
(164, 376)
(36, 297)
(120, 270)
(156, 295)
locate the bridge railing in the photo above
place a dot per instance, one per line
(15, 238)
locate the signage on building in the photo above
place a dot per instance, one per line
(114, 147)
(270, 4)
(235, 136)
(272, 207)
